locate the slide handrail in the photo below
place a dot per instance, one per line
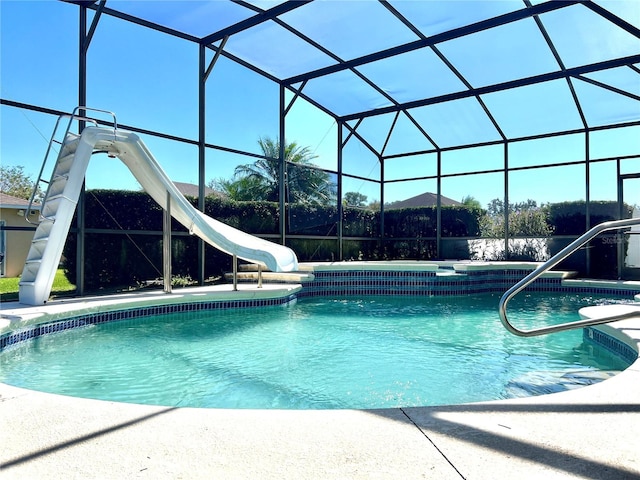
(73, 116)
(548, 265)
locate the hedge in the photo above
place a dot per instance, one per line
(116, 259)
(569, 218)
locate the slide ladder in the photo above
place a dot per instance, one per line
(57, 209)
(64, 189)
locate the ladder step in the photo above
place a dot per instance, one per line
(49, 214)
(45, 220)
(43, 230)
(59, 176)
(29, 278)
(38, 241)
(66, 155)
(57, 187)
(30, 273)
(57, 197)
(63, 160)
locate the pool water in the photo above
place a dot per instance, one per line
(326, 353)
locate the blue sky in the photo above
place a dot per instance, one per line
(141, 90)
(150, 81)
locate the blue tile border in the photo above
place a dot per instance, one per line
(83, 320)
(371, 282)
(612, 344)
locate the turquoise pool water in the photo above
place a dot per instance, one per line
(370, 352)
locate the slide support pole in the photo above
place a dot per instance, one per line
(235, 273)
(166, 245)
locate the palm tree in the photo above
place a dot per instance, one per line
(240, 189)
(304, 182)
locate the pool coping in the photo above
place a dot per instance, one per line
(590, 432)
(15, 316)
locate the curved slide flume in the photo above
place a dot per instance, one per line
(64, 190)
(132, 151)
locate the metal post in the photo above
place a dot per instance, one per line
(340, 194)
(439, 207)
(166, 245)
(282, 173)
(507, 253)
(259, 275)
(84, 40)
(587, 203)
(82, 100)
(381, 233)
(202, 84)
(235, 273)
(619, 236)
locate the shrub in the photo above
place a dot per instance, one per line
(114, 259)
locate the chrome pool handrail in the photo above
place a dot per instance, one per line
(548, 265)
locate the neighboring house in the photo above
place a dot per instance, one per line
(15, 233)
(426, 199)
(191, 190)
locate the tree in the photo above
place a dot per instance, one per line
(374, 206)
(525, 219)
(240, 189)
(471, 202)
(355, 199)
(304, 182)
(14, 182)
(495, 207)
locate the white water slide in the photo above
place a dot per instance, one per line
(64, 190)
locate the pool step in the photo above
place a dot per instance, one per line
(252, 267)
(544, 382)
(449, 273)
(251, 275)
(606, 284)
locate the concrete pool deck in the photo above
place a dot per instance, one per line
(590, 433)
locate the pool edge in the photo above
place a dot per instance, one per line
(51, 436)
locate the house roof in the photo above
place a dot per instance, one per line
(192, 190)
(9, 201)
(426, 199)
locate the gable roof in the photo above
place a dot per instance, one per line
(9, 201)
(191, 190)
(426, 199)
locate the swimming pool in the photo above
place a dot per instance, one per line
(334, 352)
